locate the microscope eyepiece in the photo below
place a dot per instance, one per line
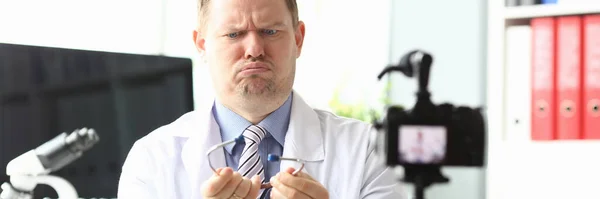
(64, 149)
(82, 140)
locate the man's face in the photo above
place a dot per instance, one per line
(251, 48)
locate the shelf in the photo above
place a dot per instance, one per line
(517, 169)
(552, 169)
(569, 152)
(534, 11)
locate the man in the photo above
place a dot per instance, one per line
(251, 47)
(417, 152)
(421, 150)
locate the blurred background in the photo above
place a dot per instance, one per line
(127, 67)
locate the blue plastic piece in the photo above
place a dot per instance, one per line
(240, 139)
(549, 1)
(272, 158)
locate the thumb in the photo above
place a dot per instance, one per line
(256, 180)
(290, 170)
(255, 189)
(301, 174)
(219, 171)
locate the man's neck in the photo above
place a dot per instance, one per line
(253, 118)
(256, 110)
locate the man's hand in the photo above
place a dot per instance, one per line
(302, 186)
(230, 184)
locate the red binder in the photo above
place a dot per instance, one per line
(591, 64)
(568, 77)
(543, 75)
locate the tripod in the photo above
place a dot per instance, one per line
(422, 177)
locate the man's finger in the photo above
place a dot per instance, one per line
(214, 185)
(275, 194)
(255, 189)
(230, 187)
(303, 184)
(244, 188)
(291, 170)
(288, 192)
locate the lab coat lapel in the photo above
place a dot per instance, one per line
(304, 138)
(204, 134)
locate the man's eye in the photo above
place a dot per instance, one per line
(270, 32)
(233, 35)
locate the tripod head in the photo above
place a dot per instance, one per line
(415, 63)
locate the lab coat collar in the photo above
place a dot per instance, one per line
(304, 140)
(200, 137)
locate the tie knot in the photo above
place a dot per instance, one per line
(255, 133)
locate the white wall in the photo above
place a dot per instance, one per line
(91, 25)
(454, 33)
(339, 43)
(346, 46)
(150, 27)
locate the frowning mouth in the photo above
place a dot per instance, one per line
(254, 68)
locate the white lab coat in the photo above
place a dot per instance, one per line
(170, 162)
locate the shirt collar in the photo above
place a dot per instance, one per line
(233, 125)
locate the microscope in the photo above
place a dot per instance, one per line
(33, 167)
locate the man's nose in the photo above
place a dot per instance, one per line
(254, 45)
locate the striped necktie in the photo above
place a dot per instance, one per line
(250, 163)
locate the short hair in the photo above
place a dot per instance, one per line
(204, 4)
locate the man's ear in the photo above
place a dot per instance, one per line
(299, 36)
(199, 41)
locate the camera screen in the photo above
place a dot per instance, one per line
(421, 144)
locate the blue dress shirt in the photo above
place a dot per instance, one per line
(233, 125)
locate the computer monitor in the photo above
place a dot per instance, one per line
(45, 91)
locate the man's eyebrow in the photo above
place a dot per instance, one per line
(277, 24)
(233, 27)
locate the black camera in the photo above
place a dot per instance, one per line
(428, 136)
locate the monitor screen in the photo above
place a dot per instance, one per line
(46, 91)
(422, 144)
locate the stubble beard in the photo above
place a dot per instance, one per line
(260, 95)
(257, 88)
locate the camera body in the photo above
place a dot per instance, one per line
(429, 135)
(433, 135)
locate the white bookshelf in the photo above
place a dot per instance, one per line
(533, 11)
(515, 170)
(550, 170)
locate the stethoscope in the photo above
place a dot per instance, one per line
(270, 158)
